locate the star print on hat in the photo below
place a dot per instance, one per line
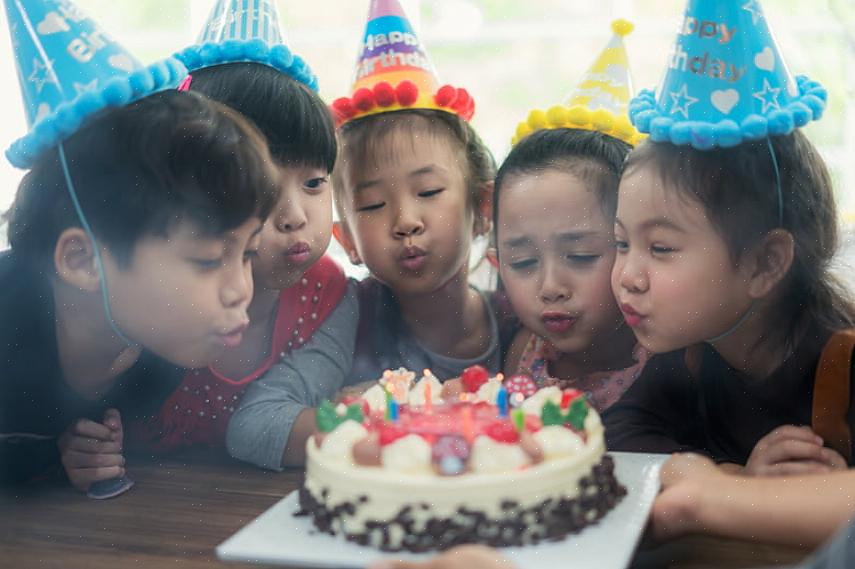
(246, 31)
(393, 72)
(726, 82)
(599, 102)
(70, 68)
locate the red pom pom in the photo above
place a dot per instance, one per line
(462, 100)
(502, 431)
(445, 96)
(363, 99)
(473, 378)
(520, 384)
(343, 107)
(384, 94)
(470, 110)
(389, 433)
(408, 93)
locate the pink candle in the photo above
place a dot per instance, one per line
(428, 397)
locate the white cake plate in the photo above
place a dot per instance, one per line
(277, 537)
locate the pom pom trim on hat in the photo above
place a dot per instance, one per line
(579, 117)
(277, 56)
(808, 105)
(383, 97)
(67, 118)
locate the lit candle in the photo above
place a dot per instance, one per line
(502, 401)
(393, 410)
(468, 426)
(428, 396)
(390, 400)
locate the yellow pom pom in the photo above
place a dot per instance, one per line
(602, 120)
(557, 116)
(578, 116)
(523, 130)
(537, 119)
(622, 27)
(623, 129)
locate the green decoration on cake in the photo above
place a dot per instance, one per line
(327, 418)
(551, 414)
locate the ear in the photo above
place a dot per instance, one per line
(770, 262)
(492, 257)
(484, 215)
(74, 260)
(342, 235)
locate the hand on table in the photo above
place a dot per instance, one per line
(792, 450)
(92, 451)
(684, 478)
(461, 557)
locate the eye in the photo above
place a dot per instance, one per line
(582, 259)
(522, 264)
(208, 264)
(661, 249)
(370, 207)
(250, 255)
(430, 193)
(621, 246)
(315, 185)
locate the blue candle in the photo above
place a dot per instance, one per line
(502, 401)
(393, 410)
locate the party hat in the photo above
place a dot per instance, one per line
(393, 72)
(726, 82)
(246, 31)
(600, 100)
(69, 68)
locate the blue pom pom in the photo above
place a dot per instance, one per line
(88, 103)
(141, 81)
(256, 50)
(755, 127)
(728, 133)
(209, 54)
(642, 120)
(117, 92)
(703, 135)
(780, 122)
(801, 113)
(660, 128)
(232, 50)
(681, 134)
(281, 57)
(190, 57)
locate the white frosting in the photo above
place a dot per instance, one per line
(557, 441)
(338, 444)
(534, 404)
(410, 454)
(489, 391)
(375, 396)
(418, 392)
(492, 456)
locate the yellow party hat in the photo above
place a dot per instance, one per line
(600, 100)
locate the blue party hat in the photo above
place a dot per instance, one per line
(246, 31)
(69, 69)
(726, 82)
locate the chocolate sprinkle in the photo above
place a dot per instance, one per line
(549, 520)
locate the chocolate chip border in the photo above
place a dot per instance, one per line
(550, 520)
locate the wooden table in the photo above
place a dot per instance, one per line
(182, 507)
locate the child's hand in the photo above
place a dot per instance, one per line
(355, 390)
(93, 451)
(792, 450)
(684, 478)
(461, 557)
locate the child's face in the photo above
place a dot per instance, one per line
(556, 249)
(673, 274)
(184, 296)
(298, 230)
(409, 218)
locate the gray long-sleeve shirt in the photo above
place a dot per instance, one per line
(259, 428)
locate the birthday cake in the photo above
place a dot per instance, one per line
(415, 466)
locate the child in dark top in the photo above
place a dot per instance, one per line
(175, 189)
(738, 300)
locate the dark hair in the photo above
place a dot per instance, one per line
(297, 124)
(139, 169)
(595, 158)
(360, 139)
(737, 188)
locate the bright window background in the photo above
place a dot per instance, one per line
(512, 55)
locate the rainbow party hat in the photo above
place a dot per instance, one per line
(394, 73)
(600, 100)
(245, 31)
(726, 82)
(69, 68)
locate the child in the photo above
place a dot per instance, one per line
(130, 245)
(556, 267)
(722, 268)
(296, 289)
(413, 186)
(276, 414)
